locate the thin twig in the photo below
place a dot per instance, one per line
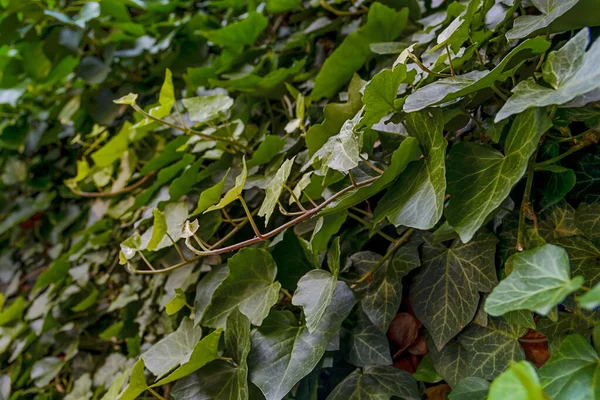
(589, 138)
(366, 224)
(424, 68)
(450, 60)
(249, 214)
(295, 198)
(113, 194)
(370, 165)
(337, 12)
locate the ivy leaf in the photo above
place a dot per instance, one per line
(587, 218)
(408, 151)
(274, 189)
(576, 82)
(128, 99)
(383, 25)
(445, 294)
(416, 199)
(159, 230)
(314, 294)
(222, 380)
(540, 279)
(471, 388)
(480, 178)
(210, 197)
(207, 108)
(244, 32)
(572, 371)
(448, 89)
(367, 345)
(137, 382)
(492, 348)
(283, 352)
(166, 98)
(250, 286)
(206, 289)
(590, 300)
(576, 320)
(235, 192)
(383, 295)
(380, 93)
(342, 151)
(175, 215)
(173, 350)
(376, 383)
(520, 380)
(451, 362)
(584, 257)
(529, 24)
(266, 151)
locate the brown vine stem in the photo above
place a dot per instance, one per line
(307, 215)
(589, 138)
(403, 239)
(113, 194)
(525, 203)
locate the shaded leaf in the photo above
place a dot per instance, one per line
(377, 383)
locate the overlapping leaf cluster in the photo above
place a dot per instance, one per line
(299, 199)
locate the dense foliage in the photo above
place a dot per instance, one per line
(299, 199)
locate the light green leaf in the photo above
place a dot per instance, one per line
(237, 34)
(480, 177)
(383, 25)
(416, 199)
(283, 352)
(175, 215)
(381, 92)
(250, 286)
(205, 351)
(266, 151)
(176, 303)
(128, 99)
(300, 186)
(492, 348)
(137, 383)
(522, 318)
(590, 300)
(572, 372)
(210, 197)
(235, 192)
(314, 294)
(540, 279)
(342, 151)
(529, 24)
(82, 388)
(376, 383)
(583, 77)
(520, 380)
(114, 148)
(172, 350)
(159, 230)
(131, 245)
(208, 108)
(408, 151)
(445, 293)
(222, 380)
(166, 98)
(471, 388)
(447, 89)
(274, 189)
(383, 295)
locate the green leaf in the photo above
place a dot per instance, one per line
(448, 89)
(205, 351)
(137, 382)
(314, 294)
(380, 93)
(220, 379)
(274, 189)
(235, 192)
(416, 199)
(540, 279)
(408, 151)
(426, 371)
(480, 177)
(492, 348)
(266, 151)
(175, 215)
(335, 115)
(237, 34)
(560, 182)
(521, 318)
(114, 148)
(166, 98)
(278, 6)
(572, 371)
(283, 352)
(205, 109)
(587, 218)
(326, 227)
(250, 286)
(128, 99)
(575, 74)
(471, 388)
(209, 197)
(173, 350)
(376, 383)
(445, 293)
(159, 230)
(367, 345)
(584, 257)
(341, 152)
(591, 299)
(383, 295)
(383, 25)
(451, 362)
(530, 24)
(176, 303)
(520, 380)
(13, 312)
(205, 291)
